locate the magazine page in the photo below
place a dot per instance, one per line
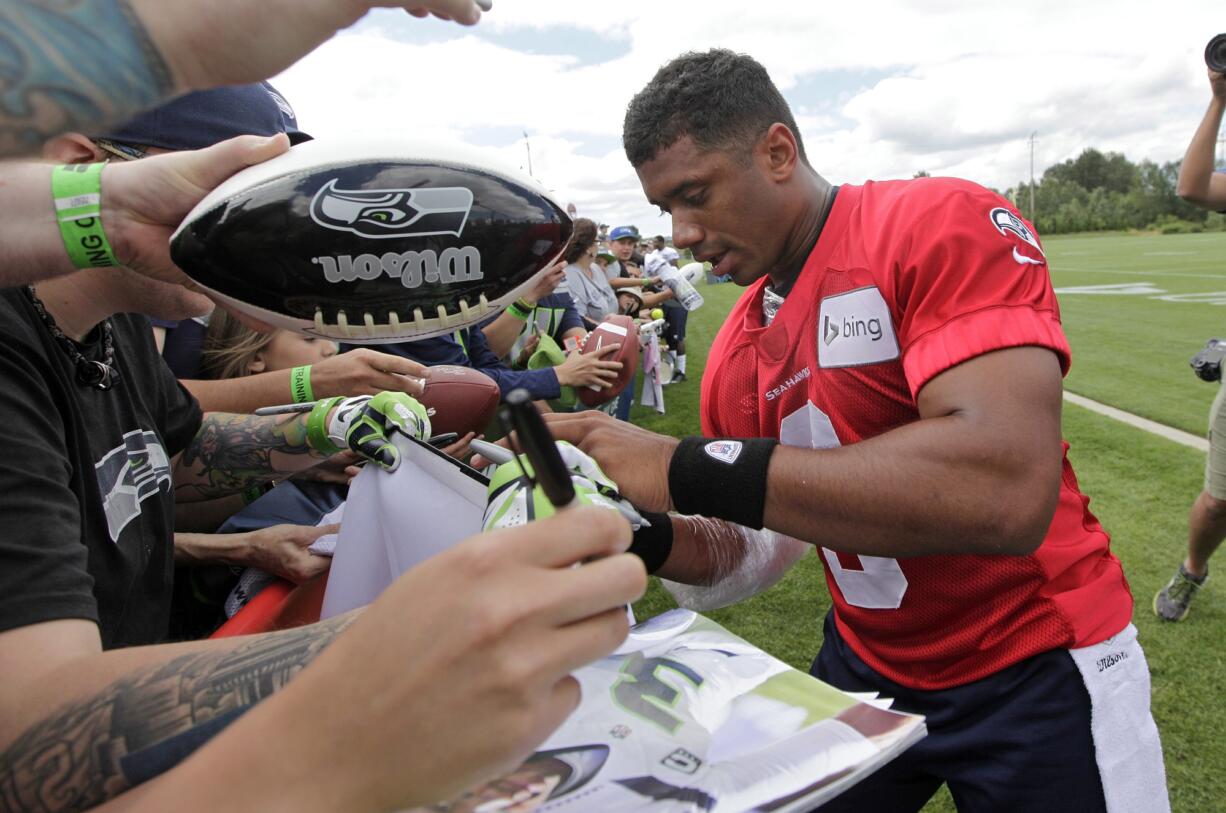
(686, 716)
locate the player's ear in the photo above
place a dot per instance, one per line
(779, 151)
(71, 148)
(258, 364)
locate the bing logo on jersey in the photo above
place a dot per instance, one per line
(854, 328)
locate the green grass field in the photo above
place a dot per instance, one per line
(1130, 350)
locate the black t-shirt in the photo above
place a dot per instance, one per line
(85, 491)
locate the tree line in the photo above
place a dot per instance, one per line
(1099, 191)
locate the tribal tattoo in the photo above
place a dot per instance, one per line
(145, 723)
(233, 452)
(72, 65)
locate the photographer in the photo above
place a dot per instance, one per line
(1200, 183)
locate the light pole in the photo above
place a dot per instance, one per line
(1033, 138)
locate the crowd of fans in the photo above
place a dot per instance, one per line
(534, 345)
(124, 479)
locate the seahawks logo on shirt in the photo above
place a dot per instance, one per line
(129, 474)
(1006, 222)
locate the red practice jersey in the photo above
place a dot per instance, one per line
(908, 279)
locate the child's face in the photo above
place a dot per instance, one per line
(632, 268)
(289, 349)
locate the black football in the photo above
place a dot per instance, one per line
(369, 244)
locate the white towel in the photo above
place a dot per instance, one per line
(1126, 744)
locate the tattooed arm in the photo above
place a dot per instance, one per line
(82, 64)
(135, 712)
(427, 693)
(232, 452)
(73, 66)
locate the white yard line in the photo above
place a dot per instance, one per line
(1177, 435)
(1154, 272)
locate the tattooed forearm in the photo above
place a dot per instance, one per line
(72, 65)
(94, 749)
(232, 452)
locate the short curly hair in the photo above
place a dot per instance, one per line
(718, 98)
(582, 237)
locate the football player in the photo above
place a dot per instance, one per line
(888, 389)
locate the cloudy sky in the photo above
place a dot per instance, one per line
(880, 88)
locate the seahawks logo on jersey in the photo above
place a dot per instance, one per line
(385, 213)
(1006, 222)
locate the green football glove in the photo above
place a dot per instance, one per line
(513, 501)
(364, 424)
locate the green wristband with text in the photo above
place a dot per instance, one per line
(76, 190)
(300, 384)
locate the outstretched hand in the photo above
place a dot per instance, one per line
(635, 459)
(282, 550)
(366, 424)
(232, 42)
(589, 369)
(144, 201)
(465, 663)
(363, 371)
(546, 283)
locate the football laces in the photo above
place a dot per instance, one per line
(369, 328)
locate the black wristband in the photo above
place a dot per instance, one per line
(721, 477)
(653, 544)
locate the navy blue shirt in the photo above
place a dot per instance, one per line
(183, 345)
(555, 314)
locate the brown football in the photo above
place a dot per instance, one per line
(459, 399)
(615, 329)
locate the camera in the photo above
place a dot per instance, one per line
(1207, 364)
(1215, 53)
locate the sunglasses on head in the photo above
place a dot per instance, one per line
(127, 152)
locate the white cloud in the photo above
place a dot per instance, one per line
(962, 84)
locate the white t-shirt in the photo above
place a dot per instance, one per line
(594, 298)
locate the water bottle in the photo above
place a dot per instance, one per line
(683, 291)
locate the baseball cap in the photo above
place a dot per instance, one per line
(620, 232)
(203, 118)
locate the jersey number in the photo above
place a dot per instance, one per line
(872, 582)
(642, 692)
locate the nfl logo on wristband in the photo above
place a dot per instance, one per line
(725, 451)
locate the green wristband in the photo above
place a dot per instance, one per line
(317, 426)
(520, 310)
(76, 190)
(300, 384)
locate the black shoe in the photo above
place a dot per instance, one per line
(677, 376)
